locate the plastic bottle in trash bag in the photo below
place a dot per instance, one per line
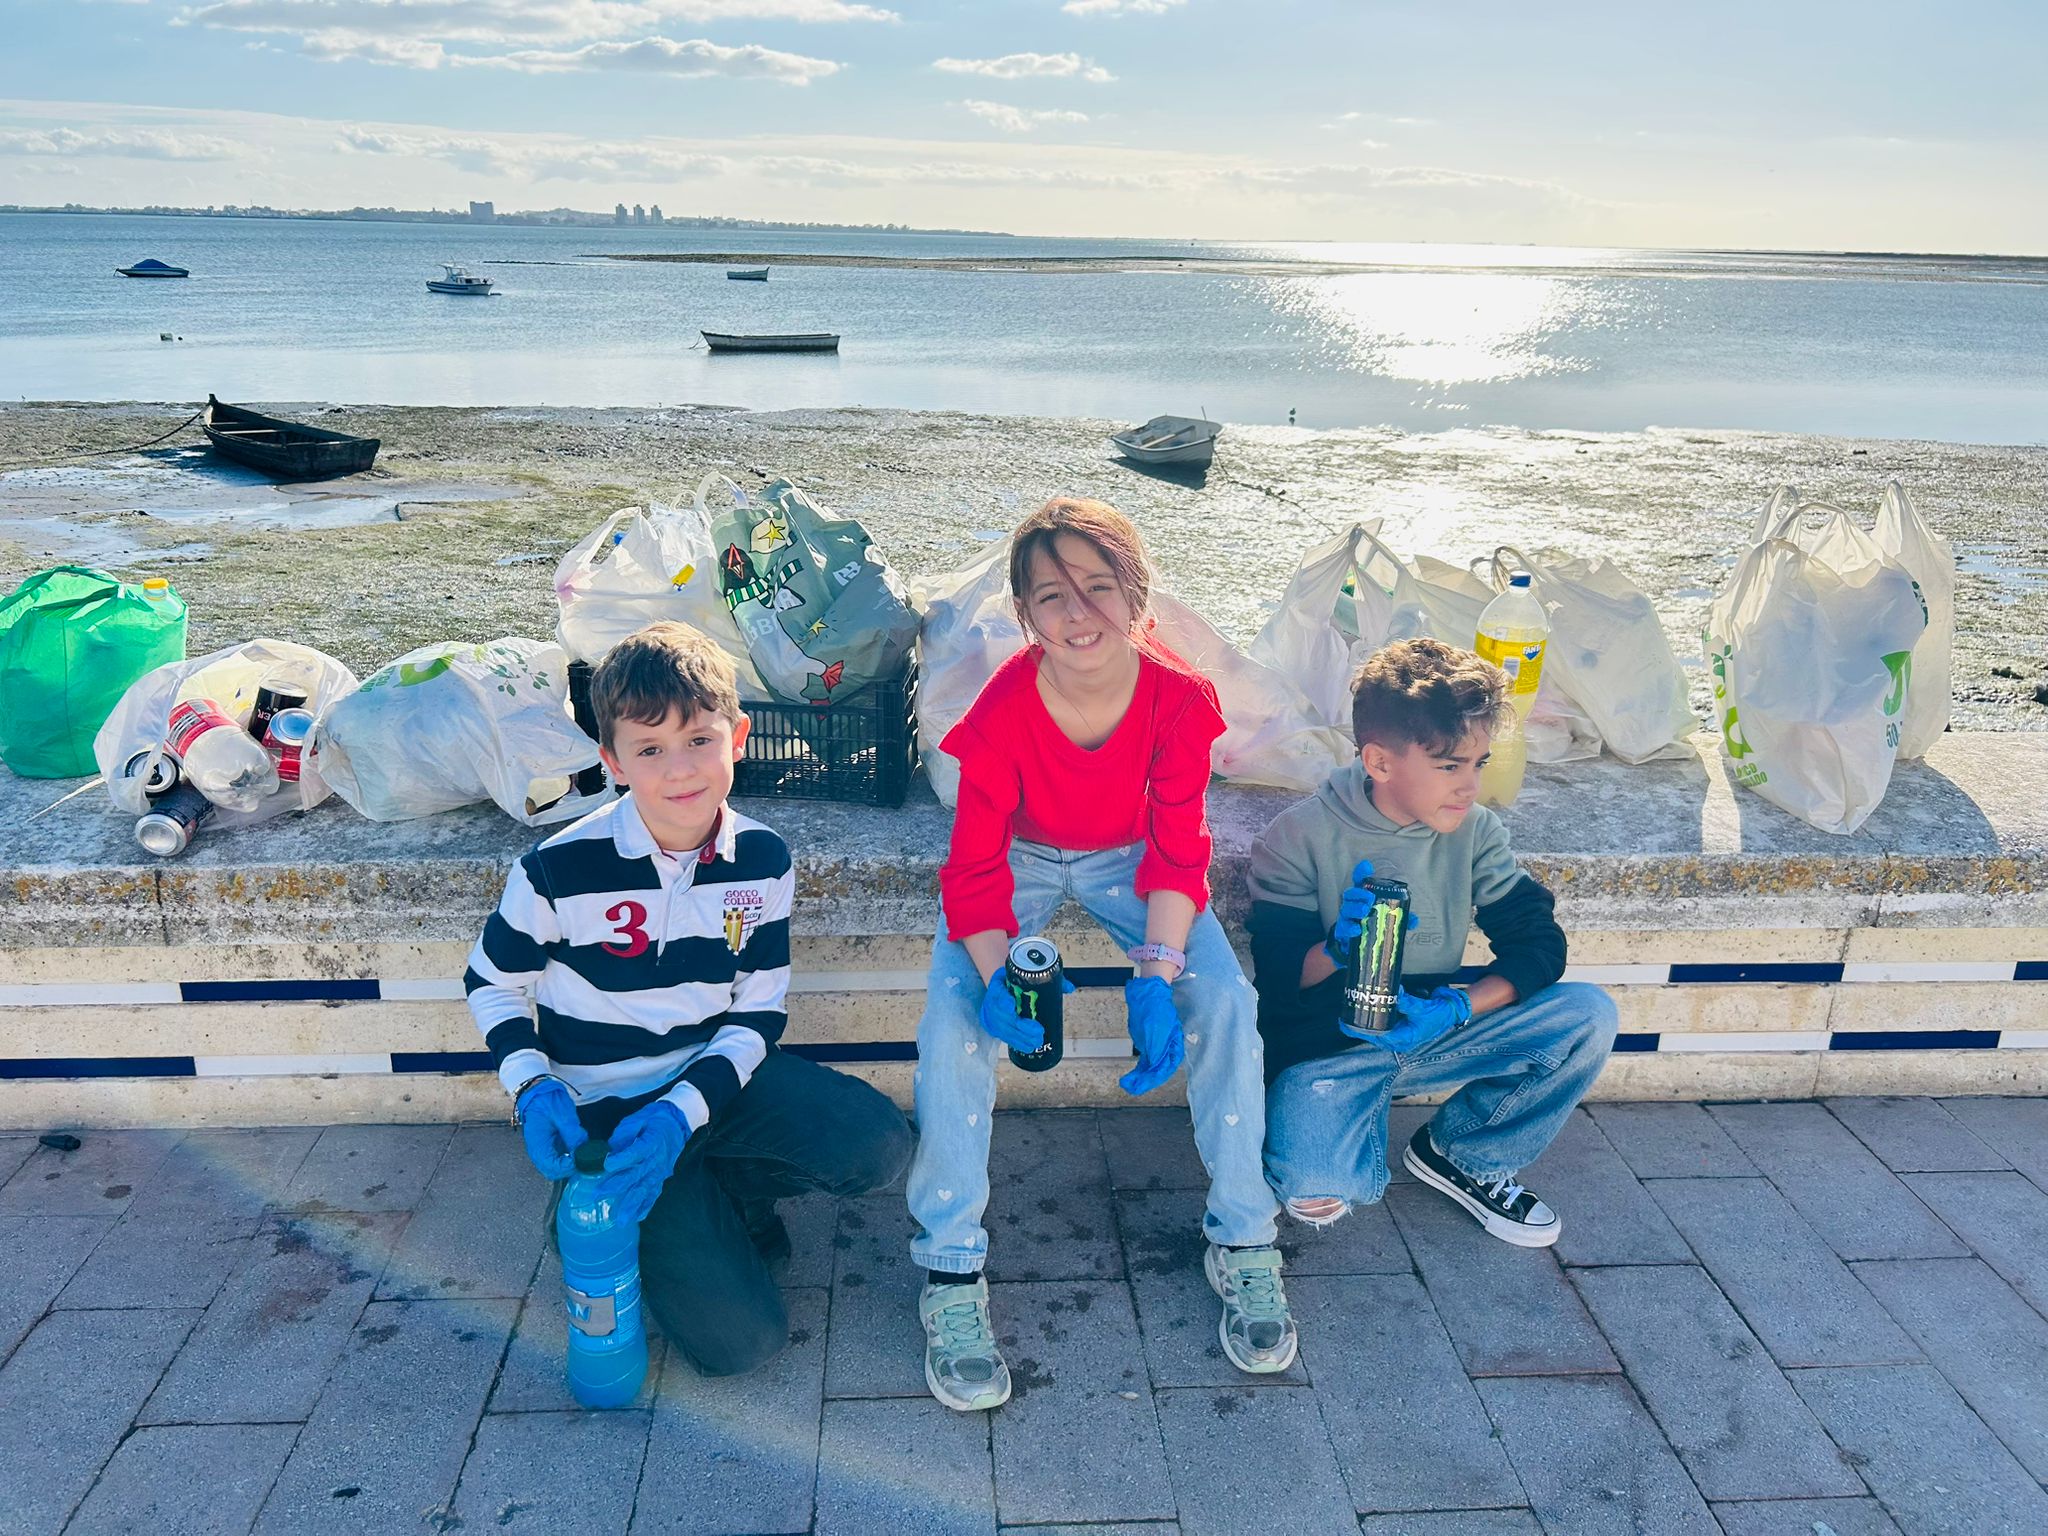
(223, 761)
(601, 1279)
(1513, 631)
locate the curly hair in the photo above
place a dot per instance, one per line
(1427, 693)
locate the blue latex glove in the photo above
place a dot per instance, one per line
(999, 1017)
(1351, 909)
(549, 1127)
(1155, 1031)
(643, 1154)
(1424, 1020)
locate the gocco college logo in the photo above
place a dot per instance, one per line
(743, 907)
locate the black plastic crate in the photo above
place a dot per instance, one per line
(862, 749)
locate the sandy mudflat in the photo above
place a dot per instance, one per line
(470, 508)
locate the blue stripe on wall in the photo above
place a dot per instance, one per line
(1635, 1042)
(1821, 972)
(1915, 1040)
(279, 991)
(441, 1061)
(2030, 970)
(97, 1066)
(887, 1050)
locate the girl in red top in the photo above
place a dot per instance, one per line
(1084, 768)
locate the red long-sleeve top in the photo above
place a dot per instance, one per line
(1020, 776)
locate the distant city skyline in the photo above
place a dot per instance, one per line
(1819, 126)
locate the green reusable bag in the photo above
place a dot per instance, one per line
(71, 641)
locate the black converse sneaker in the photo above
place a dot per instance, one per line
(1502, 1206)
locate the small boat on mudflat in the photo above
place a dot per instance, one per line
(288, 450)
(151, 267)
(1169, 440)
(788, 341)
(459, 280)
(747, 274)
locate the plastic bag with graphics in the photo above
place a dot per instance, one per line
(1607, 653)
(452, 724)
(636, 568)
(820, 611)
(230, 677)
(1271, 734)
(1902, 533)
(1810, 646)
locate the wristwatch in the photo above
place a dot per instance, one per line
(1152, 950)
(519, 1093)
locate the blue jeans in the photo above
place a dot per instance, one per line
(956, 1071)
(1518, 1072)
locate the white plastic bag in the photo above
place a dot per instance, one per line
(636, 568)
(1811, 645)
(1903, 534)
(1350, 596)
(451, 724)
(230, 677)
(969, 628)
(1607, 653)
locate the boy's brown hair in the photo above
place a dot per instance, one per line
(1427, 693)
(662, 667)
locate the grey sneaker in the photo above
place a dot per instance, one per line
(1257, 1332)
(962, 1364)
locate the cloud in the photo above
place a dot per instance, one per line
(540, 159)
(664, 56)
(1018, 119)
(352, 47)
(126, 143)
(1120, 7)
(1020, 66)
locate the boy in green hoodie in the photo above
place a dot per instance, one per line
(1517, 1047)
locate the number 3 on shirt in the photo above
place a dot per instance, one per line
(631, 938)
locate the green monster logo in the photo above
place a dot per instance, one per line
(1026, 999)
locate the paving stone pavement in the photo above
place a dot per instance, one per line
(1763, 1320)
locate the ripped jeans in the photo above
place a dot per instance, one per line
(1518, 1072)
(956, 1063)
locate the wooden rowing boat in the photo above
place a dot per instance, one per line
(1169, 440)
(289, 450)
(789, 341)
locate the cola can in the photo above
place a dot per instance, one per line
(285, 739)
(155, 769)
(272, 699)
(1372, 981)
(1037, 983)
(166, 829)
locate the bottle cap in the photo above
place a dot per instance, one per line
(1519, 579)
(155, 586)
(590, 1155)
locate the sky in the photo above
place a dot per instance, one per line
(1884, 125)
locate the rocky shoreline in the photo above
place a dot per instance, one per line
(473, 506)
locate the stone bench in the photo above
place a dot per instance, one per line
(309, 971)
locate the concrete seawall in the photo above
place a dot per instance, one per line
(309, 972)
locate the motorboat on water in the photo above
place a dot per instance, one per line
(458, 280)
(1169, 440)
(151, 267)
(747, 274)
(788, 341)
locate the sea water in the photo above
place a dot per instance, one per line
(1426, 338)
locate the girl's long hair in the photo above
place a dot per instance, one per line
(1114, 537)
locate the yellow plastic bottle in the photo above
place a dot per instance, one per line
(1513, 632)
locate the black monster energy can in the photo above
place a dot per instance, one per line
(1034, 978)
(1372, 982)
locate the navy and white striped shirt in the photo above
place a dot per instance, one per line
(625, 970)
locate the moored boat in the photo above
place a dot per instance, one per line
(151, 267)
(458, 280)
(1169, 440)
(788, 341)
(747, 274)
(289, 450)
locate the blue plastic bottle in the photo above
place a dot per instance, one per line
(601, 1276)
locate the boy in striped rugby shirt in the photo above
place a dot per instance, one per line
(631, 985)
